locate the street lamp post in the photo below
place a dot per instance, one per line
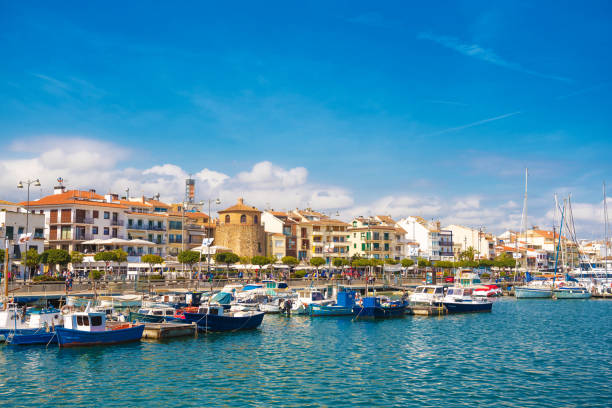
(36, 183)
(208, 233)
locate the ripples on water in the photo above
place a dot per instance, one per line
(524, 353)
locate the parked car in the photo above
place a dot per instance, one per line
(449, 279)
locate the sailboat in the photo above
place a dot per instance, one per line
(534, 288)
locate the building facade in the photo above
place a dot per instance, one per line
(376, 237)
(320, 236)
(240, 229)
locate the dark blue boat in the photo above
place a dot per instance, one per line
(468, 306)
(345, 301)
(27, 338)
(218, 320)
(89, 328)
(371, 308)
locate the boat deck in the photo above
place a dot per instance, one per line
(160, 331)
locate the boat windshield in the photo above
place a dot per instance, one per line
(439, 291)
(317, 296)
(430, 290)
(451, 292)
(96, 320)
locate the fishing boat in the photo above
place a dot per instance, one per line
(345, 301)
(374, 308)
(32, 337)
(14, 318)
(120, 301)
(90, 328)
(215, 318)
(427, 295)
(307, 297)
(461, 300)
(541, 290)
(153, 315)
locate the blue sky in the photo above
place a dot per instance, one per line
(399, 108)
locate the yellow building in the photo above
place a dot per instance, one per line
(240, 229)
(376, 237)
(320, 236)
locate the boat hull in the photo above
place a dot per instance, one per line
(571, 293)
(325, 310)
(214, 323)
(27, 339)
(468, 307)
(140, 317)
(378, 312)
(73, 338)
(532, 293)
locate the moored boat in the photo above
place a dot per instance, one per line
(90, 328)
(373, 308)
(571, 292)
(32, 337)
(215, 318)
(345, 301)
(460, 300)
(153, 315)
(427, 295)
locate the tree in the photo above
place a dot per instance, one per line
(76, 257)
(95, 274)
(245, 260)
(189, 258)
(486, 263)
(317, 261)
(152, 260)
(259, 260)
(54, 257)
(338, 262)
(31, 259)
(120, 255)
(290, 261)
(226, 258)
(406, 263)
(423, 263)
(391, 261)
(2, 256)
(468, 254)
(107, 256)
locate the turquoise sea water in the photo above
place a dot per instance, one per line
(524, 353)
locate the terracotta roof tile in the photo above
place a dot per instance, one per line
(240, 206)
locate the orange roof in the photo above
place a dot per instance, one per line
(240, 207)
(134, 203)
(326, 221)
(73, 197)
(2, 202)
(279, 213)
(196, 215)
(386, 218)
(146, 214)
(157, 203)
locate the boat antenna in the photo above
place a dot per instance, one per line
(605, 214)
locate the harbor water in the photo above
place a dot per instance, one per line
(525, 353)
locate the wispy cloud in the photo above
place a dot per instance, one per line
(477, 123)
(484, 54)
(584, 90)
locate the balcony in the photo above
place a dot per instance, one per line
(83, 220)
(82, 237)
(117, 223)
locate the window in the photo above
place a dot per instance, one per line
(66, 232)
(96, 320)
(227, 219)
(386, 236)
(79, 320)
(377, 236)
(106, 231)
(259, 247)
(85, 320)
(278, 243)
(96, 214)
(94, 230)
(20, 230)
(255, 219)
(106, 215)
(38, 233)
(243, 219)
(130, 222)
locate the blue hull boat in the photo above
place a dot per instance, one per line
(373, 309)
(215, 323)
(28, 339)
(468, 307)
(330, 310)
(71, 337)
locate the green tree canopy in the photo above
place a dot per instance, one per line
(107, 256)
(290, 260)
(152, 259)
(338, 262)
(317, 261)
(259, 260)
(227, 258)
(31, 258)
(95, 274)
(406, 263)
(54, 256)
(423, 263)
(2, 256)
(486, 263)
(468, 254)
(391, 261)
(444, 264)
(505, 260)
(245, 260)
(120, 255)
(189, 258)
(76, 257)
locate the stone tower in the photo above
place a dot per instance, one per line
(240, 229)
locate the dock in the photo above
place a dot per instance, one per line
(426, 310)
(161, 331)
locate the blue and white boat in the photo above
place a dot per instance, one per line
(534, 289)
(215, 318)
(460, 300)
(345, 301)
(90, 328)
(374, 308)
(30, 337)
(16, 319)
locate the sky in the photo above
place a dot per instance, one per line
(347, 107)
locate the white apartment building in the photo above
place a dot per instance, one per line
(465, 237)
(428, 237)
(15, 224)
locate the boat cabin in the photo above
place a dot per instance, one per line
(459, 292)
(345, 298)
(49, 317)
(427, 294)
(86, 321)
(168, 311)
(467, 278)
(211, 310)
(270, 284)
(310, 295)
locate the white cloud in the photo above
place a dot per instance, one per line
(483, 54)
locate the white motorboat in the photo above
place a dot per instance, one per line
(427, 295)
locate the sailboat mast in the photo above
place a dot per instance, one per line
(524, 218)
(605, 230)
